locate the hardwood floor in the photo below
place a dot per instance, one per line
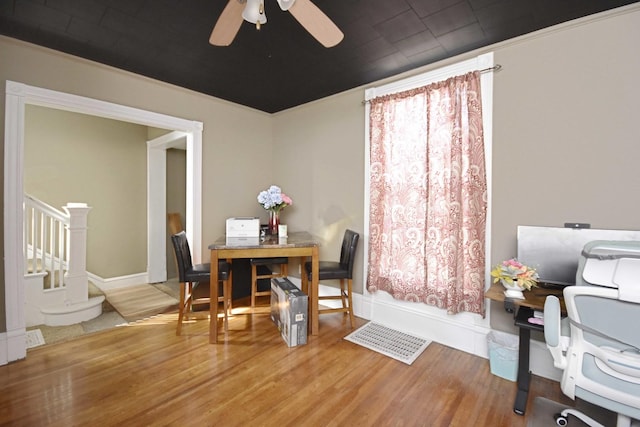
(143, 374)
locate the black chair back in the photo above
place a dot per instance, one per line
(348, 251)
(183, 255)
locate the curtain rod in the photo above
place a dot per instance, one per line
(496, 67)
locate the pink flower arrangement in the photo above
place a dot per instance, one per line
(513, 271)
(273, 199)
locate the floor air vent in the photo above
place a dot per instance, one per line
(390, 342)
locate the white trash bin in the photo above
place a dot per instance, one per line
(503, 355)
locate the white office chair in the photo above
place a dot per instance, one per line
(601, 357)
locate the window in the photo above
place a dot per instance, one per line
(428, 188)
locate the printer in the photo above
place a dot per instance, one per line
(243, 227)
(243, 231)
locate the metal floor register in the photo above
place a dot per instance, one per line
(395, 344)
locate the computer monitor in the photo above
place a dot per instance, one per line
(555, 251)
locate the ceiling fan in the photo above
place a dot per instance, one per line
(304, 11)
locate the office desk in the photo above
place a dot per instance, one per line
(523, 310)
(297, 244)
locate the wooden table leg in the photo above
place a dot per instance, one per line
(213, 295)
(304, 279)
(229, 292)
(304, 287)
(314, 290)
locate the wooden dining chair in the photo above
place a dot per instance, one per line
(175, 223)
(341, 270)
(262, 268)
(191, 276)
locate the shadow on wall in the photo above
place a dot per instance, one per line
(335, 221)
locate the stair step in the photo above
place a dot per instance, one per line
(72, 308)
(61, 315)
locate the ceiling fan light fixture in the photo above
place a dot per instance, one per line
(285, 4)
(254, 12)
(316, 22)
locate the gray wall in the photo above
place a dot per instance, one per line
(176, 198)
(566, 106)
(71, 157)
(566, 143)
(565, 137)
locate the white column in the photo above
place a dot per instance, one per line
(76, 278)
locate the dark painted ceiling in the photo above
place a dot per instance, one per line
(281, 65)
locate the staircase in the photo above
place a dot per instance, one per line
(55, 276)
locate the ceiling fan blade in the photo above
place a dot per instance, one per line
(228, 24)
(316, 23)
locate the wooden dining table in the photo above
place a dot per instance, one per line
(297, 244)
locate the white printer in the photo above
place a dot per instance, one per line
(243, 227)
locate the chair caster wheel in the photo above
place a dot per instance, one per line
(560, 420)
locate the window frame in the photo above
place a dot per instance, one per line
(480, 62)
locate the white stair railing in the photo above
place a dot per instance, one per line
(55, 258)
(46, 241)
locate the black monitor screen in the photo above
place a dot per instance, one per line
(555, 251)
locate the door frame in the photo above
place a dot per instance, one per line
(157, 201)
(18, 95)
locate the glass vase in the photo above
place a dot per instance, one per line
(274, 222)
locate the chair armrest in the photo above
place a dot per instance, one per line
(552, 331)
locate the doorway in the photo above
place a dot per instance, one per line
(17, 96)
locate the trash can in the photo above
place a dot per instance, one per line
(503, 355)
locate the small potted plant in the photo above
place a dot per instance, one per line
(515, 277)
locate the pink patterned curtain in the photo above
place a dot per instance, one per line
(429, 195)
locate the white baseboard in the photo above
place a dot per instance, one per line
(464, 331)
(12, 346)
(4, 349)
(119, 282)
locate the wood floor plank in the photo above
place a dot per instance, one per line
(143, 374)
